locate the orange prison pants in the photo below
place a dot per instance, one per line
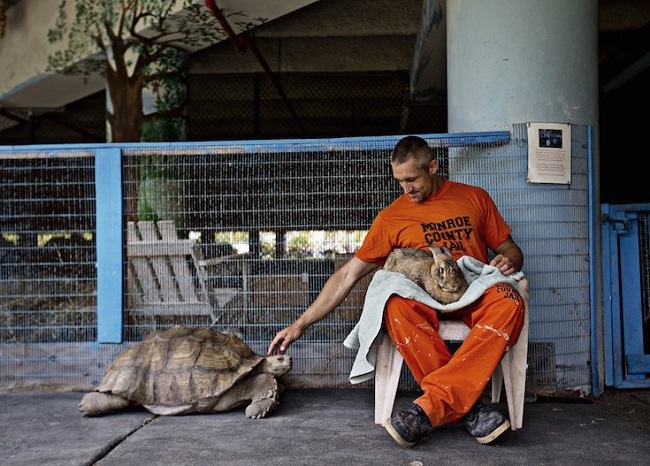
(452, 384)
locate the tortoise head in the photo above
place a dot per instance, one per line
(276, 365)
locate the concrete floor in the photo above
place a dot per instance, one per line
(319, 427)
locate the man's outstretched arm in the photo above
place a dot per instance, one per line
(335, 290)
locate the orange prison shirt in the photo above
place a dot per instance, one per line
(458, 216)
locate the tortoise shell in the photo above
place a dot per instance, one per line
(179, 366)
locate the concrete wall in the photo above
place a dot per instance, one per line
(332, 36)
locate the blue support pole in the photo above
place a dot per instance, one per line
(596, 388)
(608, 321)
(108, 195)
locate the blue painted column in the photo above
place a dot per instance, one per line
(515, 61)
(108, 195)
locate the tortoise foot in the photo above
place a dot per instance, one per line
(261, 408)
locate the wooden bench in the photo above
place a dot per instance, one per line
(168, 275)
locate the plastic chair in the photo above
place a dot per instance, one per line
(511, 371)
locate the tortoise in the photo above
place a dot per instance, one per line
(437, 272)
(189, 370)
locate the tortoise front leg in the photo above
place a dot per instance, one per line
(263, 395)
(261, 389)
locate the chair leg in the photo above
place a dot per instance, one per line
(514, 365)
(387, 371)
(497, 383)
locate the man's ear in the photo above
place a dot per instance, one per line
(433, 167)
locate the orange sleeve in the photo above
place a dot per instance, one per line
(495, 228)
(377, 245)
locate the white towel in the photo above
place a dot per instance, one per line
(363, 337)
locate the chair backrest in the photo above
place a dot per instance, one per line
(164, 276)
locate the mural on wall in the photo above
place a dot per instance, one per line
(142, 49)
(140, 46)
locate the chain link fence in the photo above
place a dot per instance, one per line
(269, 225)
(47, 263)
(242, 236)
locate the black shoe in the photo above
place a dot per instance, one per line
(484, 423)
(409, 426)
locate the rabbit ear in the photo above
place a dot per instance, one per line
(436, 251)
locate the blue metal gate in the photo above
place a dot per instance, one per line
(626, 282)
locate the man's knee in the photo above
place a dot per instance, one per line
(512, 308)
(509, 298)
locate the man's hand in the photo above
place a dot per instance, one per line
(284, 338)
(509, 258)
(504, 264)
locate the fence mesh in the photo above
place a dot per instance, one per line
(549, 223)
(47, 263)
(242, 237)
(269, 224)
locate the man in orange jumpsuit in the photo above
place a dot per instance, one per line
(435, 212)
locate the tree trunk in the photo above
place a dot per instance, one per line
(126, 98)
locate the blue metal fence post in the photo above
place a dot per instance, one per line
(615, 303)
(607, 296)
(108, 194)
(631, 305)
(594, 229)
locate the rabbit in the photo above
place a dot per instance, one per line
(438, 273)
